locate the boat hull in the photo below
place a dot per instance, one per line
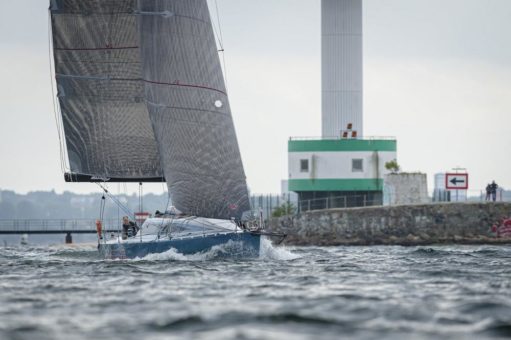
(244, 244)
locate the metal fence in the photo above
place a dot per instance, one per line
(268, 203)
(348, 201)
(441, 195)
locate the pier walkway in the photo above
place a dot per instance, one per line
(56, 226)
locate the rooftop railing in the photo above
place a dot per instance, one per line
(368, 138)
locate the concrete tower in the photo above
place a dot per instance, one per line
(341, 30)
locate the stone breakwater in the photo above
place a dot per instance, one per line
(462, 223)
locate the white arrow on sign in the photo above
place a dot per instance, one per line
(456, 181)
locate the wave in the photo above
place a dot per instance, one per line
(500, 329)
(463, 251)
(231, 249)
(279, 253)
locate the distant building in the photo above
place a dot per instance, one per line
(341, 168)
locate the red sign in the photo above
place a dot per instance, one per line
(456, 181)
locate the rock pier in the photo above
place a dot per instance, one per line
(418, 224)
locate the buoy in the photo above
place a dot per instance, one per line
(99, 229)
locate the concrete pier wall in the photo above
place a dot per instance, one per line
(468, 223)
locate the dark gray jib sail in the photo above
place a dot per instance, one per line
(141, 89)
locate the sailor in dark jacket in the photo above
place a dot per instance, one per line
(129, 228)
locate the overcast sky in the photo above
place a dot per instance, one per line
(437, 75)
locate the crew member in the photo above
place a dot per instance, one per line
(99, 229)
(129, 228)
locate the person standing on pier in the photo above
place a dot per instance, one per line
(493, 188)
(488, 192)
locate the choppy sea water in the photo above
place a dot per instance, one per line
(300, 293)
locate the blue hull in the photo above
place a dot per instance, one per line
(237, 244)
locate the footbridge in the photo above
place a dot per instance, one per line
(56, 226)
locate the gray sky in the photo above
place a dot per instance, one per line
(437, 75)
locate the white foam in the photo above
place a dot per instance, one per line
(280, 253)
(74, 246)
(231, 247)
(170, 254)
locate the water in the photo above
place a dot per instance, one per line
(299, 293)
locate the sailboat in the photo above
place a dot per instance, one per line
(142, 98)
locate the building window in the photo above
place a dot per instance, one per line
(304, 165)
(357, 165)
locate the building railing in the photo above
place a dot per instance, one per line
(343, 138)
(348, 201)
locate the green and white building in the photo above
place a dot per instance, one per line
(335, 168)
(341, 168)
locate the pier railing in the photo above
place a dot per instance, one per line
(55, 226)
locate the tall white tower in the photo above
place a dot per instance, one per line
(341, 30)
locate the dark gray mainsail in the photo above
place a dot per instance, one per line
(141, 89)
(107, 129)
(188, 106)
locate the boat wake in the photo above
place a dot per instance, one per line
(280, 253)
(231, 249)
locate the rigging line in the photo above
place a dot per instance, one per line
(103, 216)
(118, 215)
(219, 26)
(163, 189)
(217, 36)
(55, 110)
(140, 193)
(116, 201)
(225, 72)
(220, 39)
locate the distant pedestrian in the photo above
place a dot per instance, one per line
(493, 189)
(488, 192)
